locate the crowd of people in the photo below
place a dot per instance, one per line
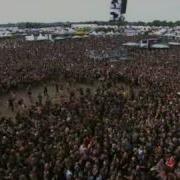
(126, 127)
(22, 63)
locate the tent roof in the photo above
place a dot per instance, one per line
(160, 46)
(131, 44)
(174, 43)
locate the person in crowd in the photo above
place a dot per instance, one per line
(114, 120)
(45, 91)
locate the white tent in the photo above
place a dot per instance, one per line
(160, 46)
(42, 37)
(5, 34)
(174, 43)
(116, 33)
(30, 38)
(101, 33)
(94, 33)
(77, 37)
(71, 31)
(131, 32)
(160, 32)
(131, 44)
(169, 35)
(59, 38)
(111, 33)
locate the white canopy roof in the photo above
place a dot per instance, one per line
(94, 33)
(131, 44)
(42, 38)
(110, 33)
(174, 43)
(160, 46)
(30, 38)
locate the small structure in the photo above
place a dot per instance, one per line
(40, 37)
(160, 46)
(5, 34)
(131, 44)
(131, 32)
(111, 55)
(30, 38)
(174, 43)
(147, 44)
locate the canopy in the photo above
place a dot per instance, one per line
(160, 46)
(30, 38)
(174, 43)
(131, 44)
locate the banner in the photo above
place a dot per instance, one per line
(117, 9)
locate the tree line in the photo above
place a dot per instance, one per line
(68, 24)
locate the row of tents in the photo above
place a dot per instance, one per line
(52, 37)
(153, 43)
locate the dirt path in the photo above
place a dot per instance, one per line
(22, 94)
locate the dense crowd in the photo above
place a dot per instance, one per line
(22, 63)
(126, 127)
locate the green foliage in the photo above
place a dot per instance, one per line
(68, 24)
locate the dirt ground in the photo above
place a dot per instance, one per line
(22, 94)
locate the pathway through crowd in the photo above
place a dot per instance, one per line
(53, 95)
